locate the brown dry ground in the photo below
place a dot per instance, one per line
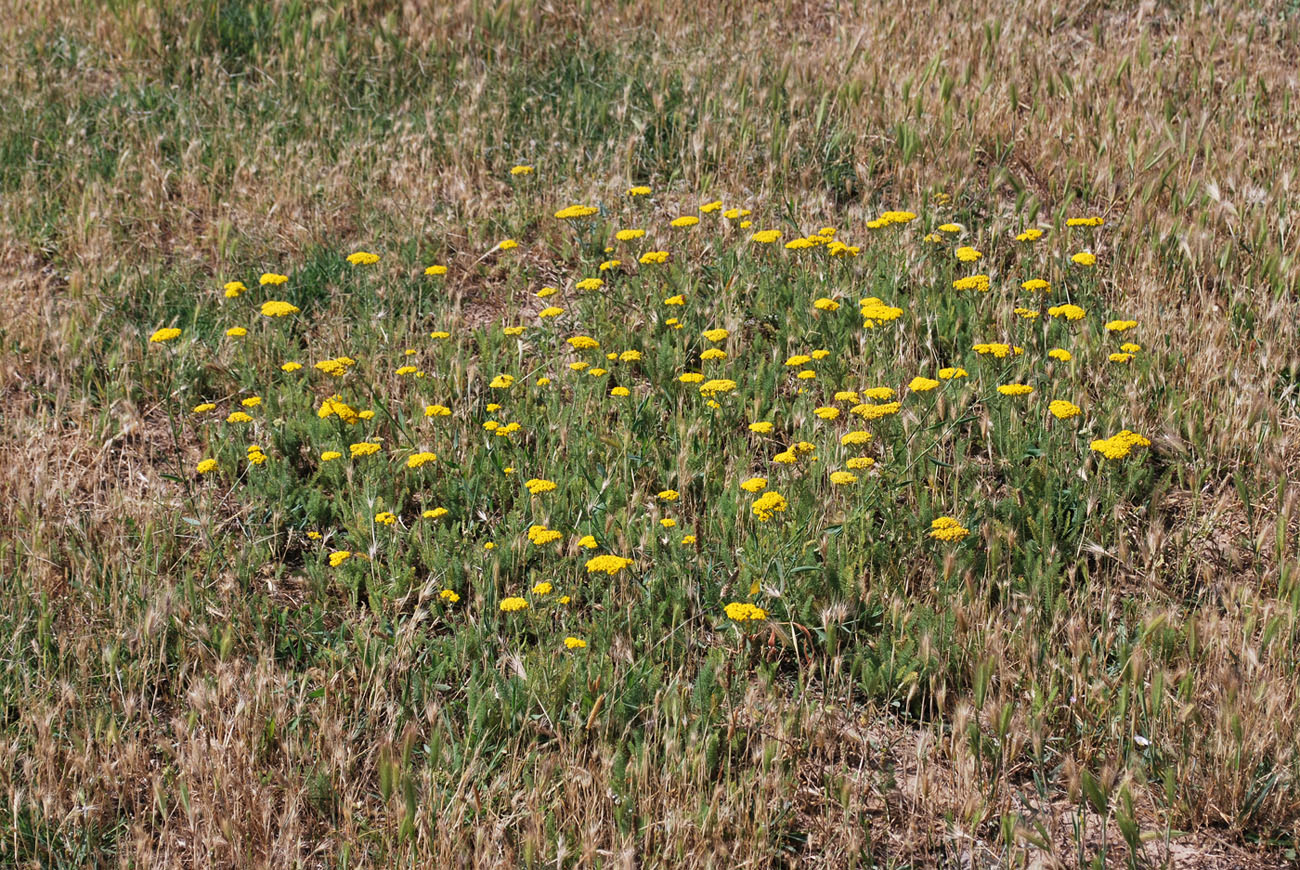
(145, 145)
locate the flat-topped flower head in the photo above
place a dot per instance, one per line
(765, 237)
(521, 169)
(1063, 410)
(743, 611)
(167, 333)
(363, 258)
(576, 212)
(947, 529)
(272, 278)
(274, 308)
(1120, 444)
(607, 564)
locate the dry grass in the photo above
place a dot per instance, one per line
(159, 711)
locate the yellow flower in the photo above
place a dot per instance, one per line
(589, 284)
(1036, 285)
(437, 411)
(1084, 258)
(540, 535)
(330, 455)
(1030, 235)
(363, 448)
(436, 270)
(754, 484)
(587, 542)
(713, 353)
(629, 235)
(1001, 351)
(538, 485)
(510, 605)
(843, 478)
(767, 505)
(1063, 410)
(860, 462)
(273, 308)
(710, 207)
(206, 466)
(947, 529)
(688, 539)
(715, 335)
(875, 412)
(611, 565)
(417, 460)
(668, 522)
(921, 385)
(740, 611)
(806, 375)
(669, 495)
(765, 237)
(972, 282)
(576, 212)
(639, 190)
(507, 244)
(385, 518)
(1120, 325)
(857, 437)
(338, 557)
(948, 374)
(236, 332)
(204, 407)
(827, 413)
(521, 169)
(1084, 222)
(239, 417)
(1119, 445)
(167, 333)
(1026, 313)
(653, 258)
(690, 377)
(334, 406)
(363, 258)
(406, 370)
(1015, 389)
(272, 278)
(717, 385)
(688, 220)
(1121, 357)
(1061, 354)
(502, 382)
(967, 254)
(234, 288)
(291, 367)
(875, 311)
(439, 335)
(949, 228)
(1130, 347)
(436, 513)
(826, 304)
(575, 643)
(449, 596)
(1069, 312)
(610, 264)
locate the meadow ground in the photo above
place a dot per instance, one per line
(918, 489)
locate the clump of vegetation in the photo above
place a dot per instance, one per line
(477, 435)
